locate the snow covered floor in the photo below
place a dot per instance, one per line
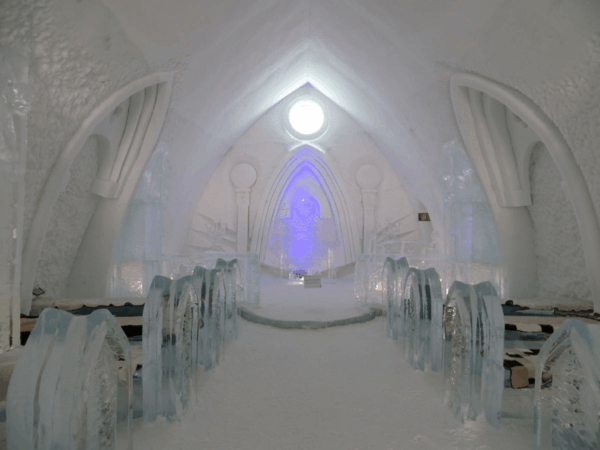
(284, 300)
(343, 388)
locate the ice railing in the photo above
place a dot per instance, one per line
(567, 389)
(186, 323)
(473, 351)
(64, 389)
(133, 278)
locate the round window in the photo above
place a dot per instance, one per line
(306, 119)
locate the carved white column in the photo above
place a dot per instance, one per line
(368, 178)
(243, 204)
(243, 177)
(369, 201)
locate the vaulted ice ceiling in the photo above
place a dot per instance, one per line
(387, 63)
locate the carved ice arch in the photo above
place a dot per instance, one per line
(119, 171)
(482, 108)
(341, 206)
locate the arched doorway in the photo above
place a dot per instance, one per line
(305, 219)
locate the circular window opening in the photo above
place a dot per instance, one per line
(306, 119)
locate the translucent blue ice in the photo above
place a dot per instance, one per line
(63, 390)
(567, 389)
(473, 351)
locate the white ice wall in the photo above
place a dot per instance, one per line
(561, 264)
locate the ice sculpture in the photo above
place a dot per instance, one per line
(473, 351)
(63, 390)
(567, 389)
(422, 306)
(394, 278)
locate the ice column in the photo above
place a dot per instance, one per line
(368, 178)
(63, 390)
(473, 245)
(473, 351)
(14, 104)
(243, 177)
(567, 389)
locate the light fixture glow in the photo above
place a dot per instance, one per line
(306, 117)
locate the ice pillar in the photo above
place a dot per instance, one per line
(243, 177)
(14, 104)
(368, 178)
(243, 205)
(369, 200)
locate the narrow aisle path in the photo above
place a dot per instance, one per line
(343, 388)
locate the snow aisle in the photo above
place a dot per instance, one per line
(343, 388)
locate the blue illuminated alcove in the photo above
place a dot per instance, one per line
(305, 230)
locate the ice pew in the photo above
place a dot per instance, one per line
(186, 323)
(63, 390)
(420, 318)
(473, 351)
(567, 389)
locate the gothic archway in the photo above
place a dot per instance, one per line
(307, 158)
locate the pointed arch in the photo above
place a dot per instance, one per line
(336, 193)
(94, 256)
(501, 169)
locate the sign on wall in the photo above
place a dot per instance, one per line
(312, 281)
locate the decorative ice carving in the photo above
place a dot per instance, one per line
(567, 389)
(473, 351)
(390, 236)
(216, 232)
(63, 390)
